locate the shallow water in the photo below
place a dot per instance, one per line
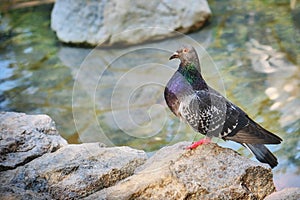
(116, 95)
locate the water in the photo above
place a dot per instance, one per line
(116, 95)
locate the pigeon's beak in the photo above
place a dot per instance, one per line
(175, 55)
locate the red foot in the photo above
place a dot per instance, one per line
(198, 143)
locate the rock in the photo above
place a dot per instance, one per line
(209, 172)
(96, 21)
(26, 137)
(15, 193)
(74, 171)
(93, 171)
(287, 193)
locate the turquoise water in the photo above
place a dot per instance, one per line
(111, 95)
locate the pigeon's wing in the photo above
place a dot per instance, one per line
(211, 114)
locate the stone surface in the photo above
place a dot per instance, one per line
(14, 193)
(73, 171)
(26, 137)
(94, 171)
(209, 172)
(287, 193)
(96, 21)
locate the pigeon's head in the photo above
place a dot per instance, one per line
(187, 55)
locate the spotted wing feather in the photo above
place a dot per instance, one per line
(211, 114)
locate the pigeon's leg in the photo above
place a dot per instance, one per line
(205, 140)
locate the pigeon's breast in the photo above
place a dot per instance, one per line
(179, 86)
(176, 91)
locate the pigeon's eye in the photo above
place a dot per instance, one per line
(185, 50)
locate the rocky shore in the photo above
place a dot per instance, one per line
(37, 163)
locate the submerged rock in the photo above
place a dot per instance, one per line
(108, 22)
(26, 137)
(209, 172)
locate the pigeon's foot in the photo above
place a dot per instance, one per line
(198, 143)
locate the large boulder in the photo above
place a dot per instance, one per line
(26, 137)
(209, 172)
(51, 169)
(72, 172)
(97, 21)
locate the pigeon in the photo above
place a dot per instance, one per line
(191, 99)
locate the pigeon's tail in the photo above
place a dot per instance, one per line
(262, 154)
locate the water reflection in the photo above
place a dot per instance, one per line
(125, 93)
(282, 82)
